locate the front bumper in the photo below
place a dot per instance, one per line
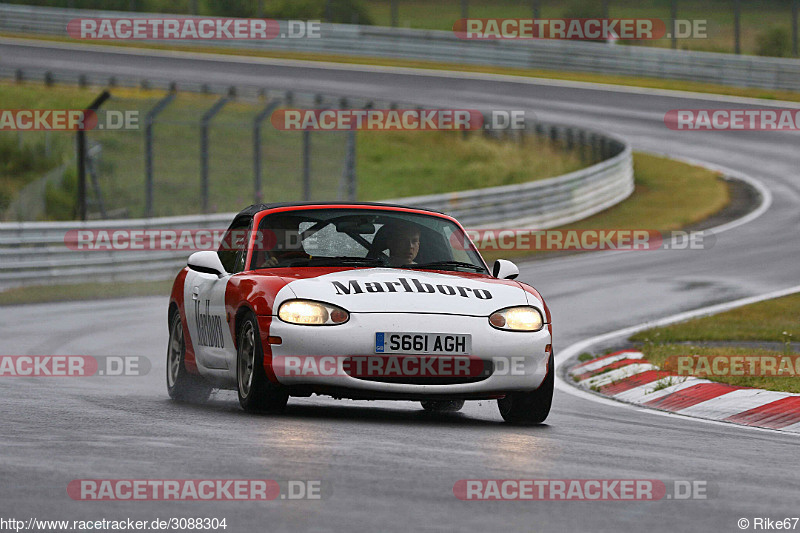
(518, 359)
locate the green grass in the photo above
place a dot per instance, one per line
(389, 164)
(658, 354)
(768, 321)
(771, 320)
(657, 203)
(450, 162)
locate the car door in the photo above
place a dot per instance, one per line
(205, 313)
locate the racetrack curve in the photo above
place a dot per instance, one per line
(391, 466)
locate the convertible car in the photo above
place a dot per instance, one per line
(362, 301)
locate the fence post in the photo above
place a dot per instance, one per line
(306, 165)
(393, 9)
(736, 27)
(204, 121)
(674, 16)
(105, 95)
(149, 120)
(348, 181)
(257, 121)
(794, 27)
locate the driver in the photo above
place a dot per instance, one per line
(286, 243)
(403, 243)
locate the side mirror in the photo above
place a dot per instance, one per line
(504, 269)
(206, 262)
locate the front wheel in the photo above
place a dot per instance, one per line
(442, 406)
(530, 407)
(181, 385)
(256, 392)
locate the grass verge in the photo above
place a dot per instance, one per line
(84, 291)
(657, 203)
(659, 353)
(767, 321)
(442, 161)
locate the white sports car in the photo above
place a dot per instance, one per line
(364, 301)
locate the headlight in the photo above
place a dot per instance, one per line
(308, 313)
(517, 319)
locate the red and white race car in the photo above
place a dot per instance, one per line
(363, 301)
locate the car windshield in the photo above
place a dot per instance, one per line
(363, 237)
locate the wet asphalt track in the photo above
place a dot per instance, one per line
(391, 466)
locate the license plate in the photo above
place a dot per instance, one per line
(423, 343)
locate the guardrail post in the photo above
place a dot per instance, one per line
(149, 120)
(204, 121)
(94, 106)
(570, 142)
(257, 121)
(464, 9)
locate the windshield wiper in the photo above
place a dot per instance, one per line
(445, 265)
(336, 261)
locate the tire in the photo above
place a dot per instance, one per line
(256, 392)
(530, 408)
(442, 406)
(181, 385)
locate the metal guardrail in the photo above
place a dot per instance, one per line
(444, 46)
(36, 252)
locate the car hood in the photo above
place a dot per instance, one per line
(387, 290)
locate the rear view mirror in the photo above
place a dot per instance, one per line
(504, 269)
(206, 262)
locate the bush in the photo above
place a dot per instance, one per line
(30, 157)
(774, 42)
